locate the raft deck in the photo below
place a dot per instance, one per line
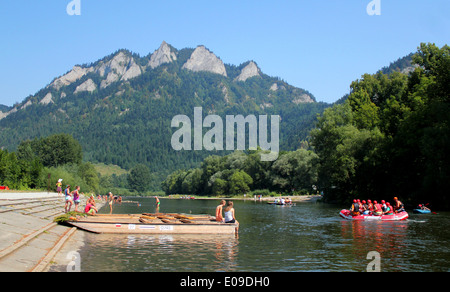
(153, 224)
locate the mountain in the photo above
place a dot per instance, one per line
(120, 107)
(402, 65)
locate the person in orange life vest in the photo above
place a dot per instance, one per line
(377, 209)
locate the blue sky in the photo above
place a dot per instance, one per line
(319, 45)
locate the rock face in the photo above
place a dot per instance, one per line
(89, 86)
(203, 60)
(251, 70)
(76, 73)
(303, 98)
(121, 67)
(162, 56)
(47, 99)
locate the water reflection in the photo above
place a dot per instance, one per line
(189, 253)
(387, 238)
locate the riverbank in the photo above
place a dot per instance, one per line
(29, 239)
(295, 199)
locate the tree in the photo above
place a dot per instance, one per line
(240, 183)
(55, 150)
(296, 170)
(139, 178)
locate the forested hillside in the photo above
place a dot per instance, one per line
(120, 108)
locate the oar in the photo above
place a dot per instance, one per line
(430, 210)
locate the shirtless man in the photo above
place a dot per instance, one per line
(219, 217)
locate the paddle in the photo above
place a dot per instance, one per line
(430, 210)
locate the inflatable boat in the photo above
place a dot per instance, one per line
(420, 211)
(346, 214)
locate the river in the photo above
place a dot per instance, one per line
(306, 237)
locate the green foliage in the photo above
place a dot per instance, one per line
(391, 136)
(139, 178)
(19, 173)
(240, 173)
(54, 150)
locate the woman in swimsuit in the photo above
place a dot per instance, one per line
(229, 215)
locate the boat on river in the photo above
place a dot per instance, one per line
(152, 224)
(346, 214)
(282, 204)
(420, 211)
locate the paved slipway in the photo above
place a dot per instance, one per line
(29, 239)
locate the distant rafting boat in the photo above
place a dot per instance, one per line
(420, 211)
(153, 224)
(281, 204)
(346, 214)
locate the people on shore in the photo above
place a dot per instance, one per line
(90, 208)
(76, 197)
(68, 199)
(59, 187)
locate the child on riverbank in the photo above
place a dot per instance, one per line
(76, 197)
(68, 198)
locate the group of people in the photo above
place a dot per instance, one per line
(376, 209)
(283, 201)
(229, 213)
(73, 198)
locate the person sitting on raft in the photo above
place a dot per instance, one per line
(422, 207)
(365, 208)
(389, 209)
(219, 217)
(355, 208)
(398, 206)
(370, 206)
(377, 209)
(230, 215)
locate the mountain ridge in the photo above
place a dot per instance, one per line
(120, 107)
(124, 65)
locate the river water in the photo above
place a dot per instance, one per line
(306, 237)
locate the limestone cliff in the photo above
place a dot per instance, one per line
(203, 60)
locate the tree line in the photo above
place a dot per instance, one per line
(390, 137)
(242, 172)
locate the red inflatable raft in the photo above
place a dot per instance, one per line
(346, 214)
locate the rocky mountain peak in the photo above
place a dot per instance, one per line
(120, 67)
(162, 56)
(204, 60)
(251, 70)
